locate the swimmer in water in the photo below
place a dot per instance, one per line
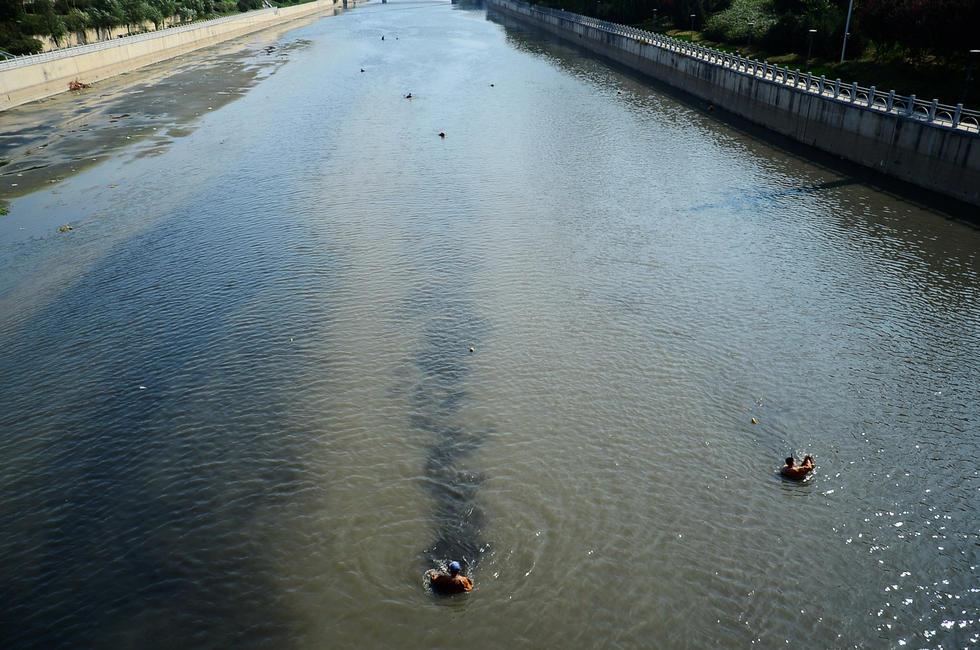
(452, 583)
(797, 472)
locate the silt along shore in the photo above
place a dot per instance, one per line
(928, 144)
(30, 78)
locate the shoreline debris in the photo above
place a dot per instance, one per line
(78, 85)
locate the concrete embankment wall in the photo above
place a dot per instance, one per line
(96, 35)
(32, 78)
(944, 160)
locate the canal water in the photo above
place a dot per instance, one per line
(239, 406)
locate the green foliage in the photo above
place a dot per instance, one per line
(16, 43)
(797, 17)
(76, 20)
(106, 14)
(918, 28)
(733, 24)
(22, 20)
(42, 19)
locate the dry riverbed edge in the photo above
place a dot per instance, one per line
(46, 141)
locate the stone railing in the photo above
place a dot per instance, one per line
(931, 112)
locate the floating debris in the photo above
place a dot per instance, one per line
(472, 349)
(77, 85)
(408, 96)
(755, 420)
(442, 134)
(65, 228)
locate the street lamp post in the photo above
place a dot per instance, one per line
(693, 16)
(847, 30)
(970, 62)
(809, 48)
(751, 29)
(655, 18)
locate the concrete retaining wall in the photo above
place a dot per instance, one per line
(945, 160)
(96, 35)
(32, 78)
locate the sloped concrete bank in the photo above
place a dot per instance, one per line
(909, 147)
(35, 77)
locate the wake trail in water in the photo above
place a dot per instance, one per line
(444, 362)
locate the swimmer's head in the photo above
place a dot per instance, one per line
(790, 461)
(454, 567)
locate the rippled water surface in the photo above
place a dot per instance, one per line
(238, 406)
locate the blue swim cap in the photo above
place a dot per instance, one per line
(454, 567)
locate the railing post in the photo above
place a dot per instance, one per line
(956, 115)
(891, 101)
(854, 92)
(809, 80)
(932, 109)
(836, 88)
(871, 97)
(910, 107)
(822, 84)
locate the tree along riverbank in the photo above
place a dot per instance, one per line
(25, 25)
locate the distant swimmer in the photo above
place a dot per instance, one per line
(452, 583)
(794, 471)
(408, 96)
